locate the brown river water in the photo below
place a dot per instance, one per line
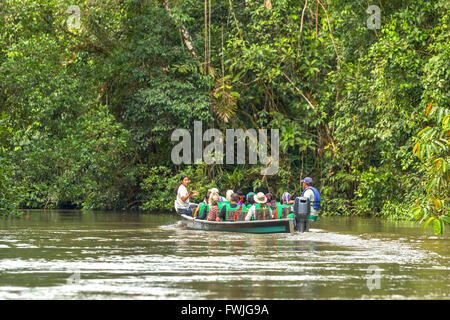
(110, 255)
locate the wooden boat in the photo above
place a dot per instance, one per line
(263, 223)
(255, 226)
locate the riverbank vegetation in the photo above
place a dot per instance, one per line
(89, 101)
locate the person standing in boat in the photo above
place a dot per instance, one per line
(182, 203)
(314, 197)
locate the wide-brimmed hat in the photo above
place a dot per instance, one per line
(260, 198)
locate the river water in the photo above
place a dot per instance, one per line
(107, 255)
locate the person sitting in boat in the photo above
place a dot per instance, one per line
(228, 195)
(247, 202)
(286, 198)
(271, 203)
(214, 207)
(241, 197)
(204, 207)
(260, 201)
(314, 197)
(232, 206)
(207, 194)
(286, 202)
(215, 190)
(250, 206)
(270, 200)
(182, 204)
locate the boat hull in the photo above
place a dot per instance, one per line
(258, 226)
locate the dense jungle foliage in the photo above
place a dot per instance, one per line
(89, 100)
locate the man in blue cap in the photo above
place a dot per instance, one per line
(314, 197)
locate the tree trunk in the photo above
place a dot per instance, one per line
(186, 35)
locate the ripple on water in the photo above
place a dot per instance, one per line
(169, 262)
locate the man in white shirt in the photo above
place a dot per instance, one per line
(182, 204)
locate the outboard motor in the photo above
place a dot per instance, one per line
(302, 210)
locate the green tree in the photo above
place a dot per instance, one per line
(432, 146)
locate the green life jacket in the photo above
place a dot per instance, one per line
(230, 209)
(204, 205)
(244, 212)
(264, 206)
(280, 209)
(258, 206)
(201, 211)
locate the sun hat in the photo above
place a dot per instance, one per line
(260, 198)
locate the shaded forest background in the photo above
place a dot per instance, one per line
(87, 111)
